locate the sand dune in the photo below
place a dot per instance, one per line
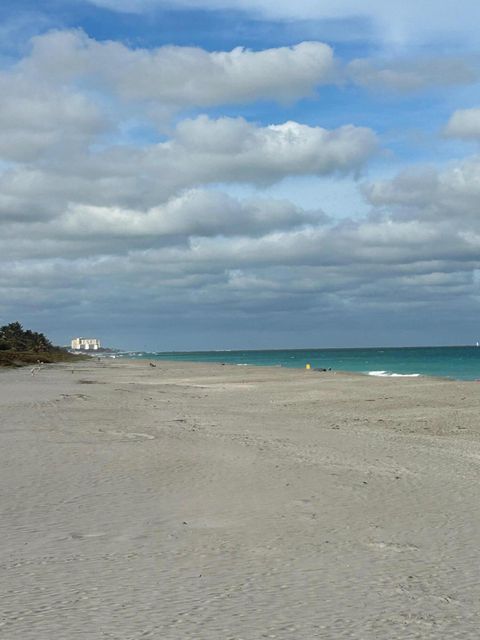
(219, 502)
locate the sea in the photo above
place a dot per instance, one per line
(458, 363)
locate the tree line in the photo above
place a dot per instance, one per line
(13, 337)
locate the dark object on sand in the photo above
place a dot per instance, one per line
(152, 365)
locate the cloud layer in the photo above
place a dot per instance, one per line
(117, 183)
(396, 23)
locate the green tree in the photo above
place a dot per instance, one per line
(14, 337)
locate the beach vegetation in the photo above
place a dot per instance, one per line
(14, 337)
(19, 346)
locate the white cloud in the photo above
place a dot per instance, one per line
(36, 117)
(451, 194)
(184, 76)
(233, 149)
(201, 151)
(465, 124)
(194, 213)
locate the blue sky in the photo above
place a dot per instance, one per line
(203, 169)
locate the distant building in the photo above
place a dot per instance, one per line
(85, 344)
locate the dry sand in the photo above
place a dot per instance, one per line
(220, 502)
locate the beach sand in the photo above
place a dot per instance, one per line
(225, 502)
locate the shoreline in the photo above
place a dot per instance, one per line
(456, 363)
(193, 500)
(338, 372)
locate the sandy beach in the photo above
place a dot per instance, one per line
(223, 502)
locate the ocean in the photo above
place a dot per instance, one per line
(459, 363)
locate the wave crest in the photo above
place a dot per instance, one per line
(390, 374)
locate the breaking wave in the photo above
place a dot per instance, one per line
(389, 374)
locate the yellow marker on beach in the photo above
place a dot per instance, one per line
(307, 366)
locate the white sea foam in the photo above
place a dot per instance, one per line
(388, 374)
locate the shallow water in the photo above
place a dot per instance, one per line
(460, 363)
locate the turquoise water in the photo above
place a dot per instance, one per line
(461, 363)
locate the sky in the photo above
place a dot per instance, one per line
(223, 174)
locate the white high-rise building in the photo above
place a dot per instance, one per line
(85, 344)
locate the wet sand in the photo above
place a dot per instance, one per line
(221, 502)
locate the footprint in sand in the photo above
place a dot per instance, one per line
(83, 536)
